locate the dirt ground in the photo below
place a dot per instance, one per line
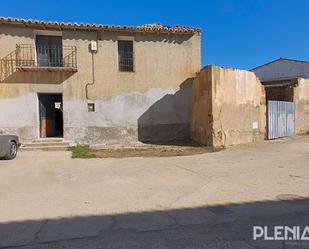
(210, 200)
(118, 151)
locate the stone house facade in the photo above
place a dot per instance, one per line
(96, 84)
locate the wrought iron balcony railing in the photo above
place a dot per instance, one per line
(28, 55)
(38, 57)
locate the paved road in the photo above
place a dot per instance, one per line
(48, 200)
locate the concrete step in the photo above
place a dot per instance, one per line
(46, 148)
(46, 144)
(48, 140)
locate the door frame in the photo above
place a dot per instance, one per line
(46, 33)
(39, 112)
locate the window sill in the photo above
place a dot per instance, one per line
(126, 71)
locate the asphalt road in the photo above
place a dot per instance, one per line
(48, 200)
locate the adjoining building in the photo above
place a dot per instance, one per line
(228, 107)
(96, 84)
(286, 82)
(232, 106)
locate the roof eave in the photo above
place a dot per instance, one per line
(282, 82)
(177, 30)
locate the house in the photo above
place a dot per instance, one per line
(286, 82)
(95, 84)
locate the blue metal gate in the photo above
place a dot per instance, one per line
(280, 119)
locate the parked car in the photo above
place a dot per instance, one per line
(9, 145)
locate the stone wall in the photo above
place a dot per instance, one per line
(301, 99)
(202, 119)
(228, 107)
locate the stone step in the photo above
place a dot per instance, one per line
(46, 148)
(48, 140)
(45, 144)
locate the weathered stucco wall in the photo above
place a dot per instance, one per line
(202, 120)
(124, 100)
(24, 109)
(228, 107)
(301, 99)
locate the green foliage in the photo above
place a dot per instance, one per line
(82, 151)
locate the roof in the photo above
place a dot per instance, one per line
(146, 28)
(284, 59)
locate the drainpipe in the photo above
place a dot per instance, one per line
(92, 66)
(93, 79)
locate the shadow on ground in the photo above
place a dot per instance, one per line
(222, 226)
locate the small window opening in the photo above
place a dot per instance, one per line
(125, 56)
(91, 107)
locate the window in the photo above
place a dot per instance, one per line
(49, 51)
(125, 56)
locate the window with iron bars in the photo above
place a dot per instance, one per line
(125, 56)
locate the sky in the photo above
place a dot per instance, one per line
(241, 34)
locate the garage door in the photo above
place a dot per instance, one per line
(281, 119)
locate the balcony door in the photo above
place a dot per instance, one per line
(49, 51)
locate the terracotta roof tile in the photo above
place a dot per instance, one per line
(147, 28)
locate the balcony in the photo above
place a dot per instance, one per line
(28, 57)
(49, 57)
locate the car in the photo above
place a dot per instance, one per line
(9, 145)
